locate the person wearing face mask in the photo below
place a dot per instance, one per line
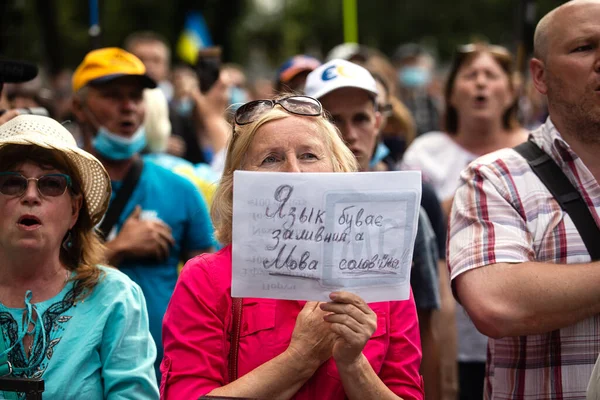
(480, 118)
(163, 219)
(414, 67)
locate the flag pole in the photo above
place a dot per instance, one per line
(94, 30)
(350, 22)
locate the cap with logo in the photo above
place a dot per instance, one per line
(337, 74)
(104, 65)
(295, 65)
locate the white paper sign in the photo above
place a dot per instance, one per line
(302, 236)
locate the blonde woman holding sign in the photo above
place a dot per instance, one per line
(284, 349)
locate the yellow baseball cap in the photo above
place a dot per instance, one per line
(104, 65)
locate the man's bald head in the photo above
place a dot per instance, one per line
(543, 28)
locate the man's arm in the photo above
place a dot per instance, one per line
(529, 298)
(492, 251)
(8, 115)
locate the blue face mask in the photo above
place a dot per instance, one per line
(237, 96)
(184, 107)
(381, 152)
(115, 147)
(414, 77)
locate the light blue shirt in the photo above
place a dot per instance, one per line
(96, 348)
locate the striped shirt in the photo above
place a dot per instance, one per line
(503, 213)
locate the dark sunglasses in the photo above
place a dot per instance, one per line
(299, 105)
(50, 185)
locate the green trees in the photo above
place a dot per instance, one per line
(55, 32)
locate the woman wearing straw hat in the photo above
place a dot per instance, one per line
(64, 318)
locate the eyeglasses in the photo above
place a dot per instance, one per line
(50, 185)
(299, 105)
(385, 109)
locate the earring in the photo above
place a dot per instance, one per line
(67, 242)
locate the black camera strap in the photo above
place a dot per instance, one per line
(565, 193)
(118, 204)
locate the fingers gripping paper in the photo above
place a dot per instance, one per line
(302, 236)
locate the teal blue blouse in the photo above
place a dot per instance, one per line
(96, 348)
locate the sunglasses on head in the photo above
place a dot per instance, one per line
(299, 105)
(492, 48)
(49, 185)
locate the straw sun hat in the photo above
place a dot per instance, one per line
(48, 133)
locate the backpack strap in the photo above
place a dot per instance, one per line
(565, 193)
(118, 204)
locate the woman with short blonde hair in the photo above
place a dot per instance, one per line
(222, 207)
(344, 348)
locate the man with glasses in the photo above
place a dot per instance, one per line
(349, 93)
(163, 220)
(520, 264)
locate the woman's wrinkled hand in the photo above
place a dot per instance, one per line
(353, 323)
(312, 338)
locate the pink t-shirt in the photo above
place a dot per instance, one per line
(196, 337)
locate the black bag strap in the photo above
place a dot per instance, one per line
(565, 193)
(118, 204)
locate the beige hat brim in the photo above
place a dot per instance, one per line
(95, 183)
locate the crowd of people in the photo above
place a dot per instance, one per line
(116, 235)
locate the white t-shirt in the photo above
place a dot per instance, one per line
(441, 160)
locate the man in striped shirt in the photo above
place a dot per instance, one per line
(518, 264)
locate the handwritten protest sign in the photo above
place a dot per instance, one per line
(303, 236)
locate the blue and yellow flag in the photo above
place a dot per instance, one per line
(195, 36)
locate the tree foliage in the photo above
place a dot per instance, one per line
(287, 27)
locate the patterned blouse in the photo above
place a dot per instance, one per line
(97, 348)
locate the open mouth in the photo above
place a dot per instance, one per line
(127, 125)
(481, 100)
(29, 221)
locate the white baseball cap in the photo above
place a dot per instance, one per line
(337, 74)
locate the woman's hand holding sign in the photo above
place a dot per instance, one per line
(353, 322)
(312, 339)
